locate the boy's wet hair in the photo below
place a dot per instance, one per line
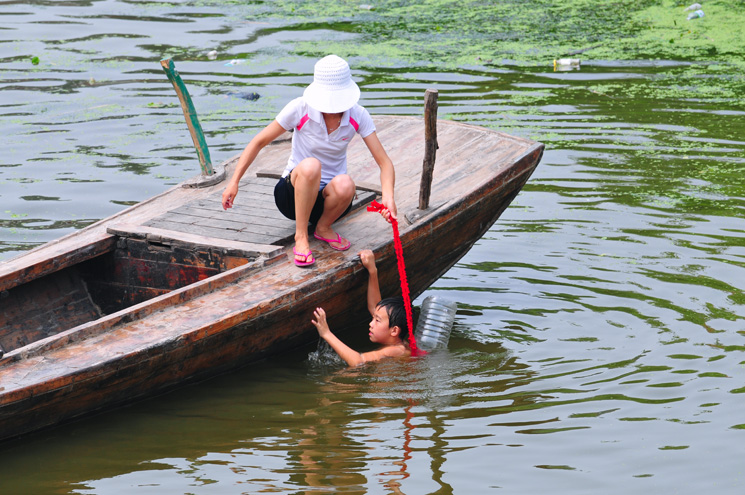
(394, 306)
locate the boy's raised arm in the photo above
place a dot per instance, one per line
(373, 288)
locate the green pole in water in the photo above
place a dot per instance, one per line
(195, 129)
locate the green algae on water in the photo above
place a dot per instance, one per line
(470, 32)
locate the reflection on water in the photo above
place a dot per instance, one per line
(599, 342)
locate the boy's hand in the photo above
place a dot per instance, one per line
(320, 322)
(368, 259)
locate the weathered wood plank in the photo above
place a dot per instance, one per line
(228, 228)
(253, 219)
(215, 233)
(44, 307)
(430, 148)
(247, 206)
(245, 224)
(230, 246)
(36, 265)
(234, 220)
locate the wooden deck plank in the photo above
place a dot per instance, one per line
(227, 220)
(216, 233)
(231, 247)
(245, 204)
(258, 217)
(253, 218)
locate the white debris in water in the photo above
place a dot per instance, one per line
(695, 15)
(566, 63)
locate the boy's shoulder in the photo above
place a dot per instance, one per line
(396, 350)
(387, 351)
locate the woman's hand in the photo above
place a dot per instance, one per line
(390, 211)
(228, 196)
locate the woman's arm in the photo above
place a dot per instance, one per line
(387, 173)
(266, 136)
(352, 357)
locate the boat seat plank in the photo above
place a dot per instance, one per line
(217, 233)
(237, 225)
(233, 247)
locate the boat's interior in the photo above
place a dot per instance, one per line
(135, 270)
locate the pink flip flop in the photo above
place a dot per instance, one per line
(339, 240)
(305, 256)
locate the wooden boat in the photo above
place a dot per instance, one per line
(175, 289)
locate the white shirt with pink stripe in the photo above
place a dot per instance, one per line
(311, 139)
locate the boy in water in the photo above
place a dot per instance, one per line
(387, 328)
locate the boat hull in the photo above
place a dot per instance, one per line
(248, 312)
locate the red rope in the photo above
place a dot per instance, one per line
(375, 206)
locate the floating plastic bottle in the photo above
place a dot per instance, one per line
(696, 15)
(566, 63)
(435, 323)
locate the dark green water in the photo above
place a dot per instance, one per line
(599, 343)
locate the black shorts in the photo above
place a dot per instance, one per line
(284, 198)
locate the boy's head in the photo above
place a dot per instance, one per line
(394, 309)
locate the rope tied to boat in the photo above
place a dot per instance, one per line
(377, 207)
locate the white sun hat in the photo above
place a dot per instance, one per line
(332, 89)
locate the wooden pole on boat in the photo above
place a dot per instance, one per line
(430, 146)
(195, 129)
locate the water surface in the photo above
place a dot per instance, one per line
(600, 337)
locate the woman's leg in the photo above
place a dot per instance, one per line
(306, 179)
(337, 196)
